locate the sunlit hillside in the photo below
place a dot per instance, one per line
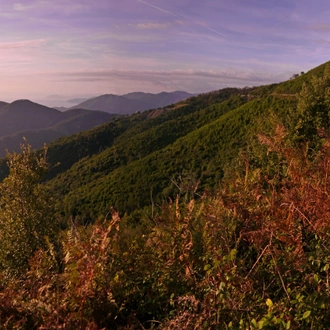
(211, 213)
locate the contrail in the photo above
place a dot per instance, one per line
(179, 15)
(209, 28)
(158, 8)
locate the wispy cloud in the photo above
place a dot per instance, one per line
(203, 24)
(191, 80)
(323, 42)
(237, 74)
(64, 7)
(214, 43)
(23, 44)
(156, 25)
(320, 27)
(22, 7)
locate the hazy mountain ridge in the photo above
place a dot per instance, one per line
(24, 114)
(41, 124)
(132, 102)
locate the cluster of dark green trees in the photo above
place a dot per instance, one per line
(239, 239)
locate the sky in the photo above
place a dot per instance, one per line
(57, 50)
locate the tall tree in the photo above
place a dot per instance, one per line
(26, 218)
(313, 111)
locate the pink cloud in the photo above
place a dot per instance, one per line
(23, 44)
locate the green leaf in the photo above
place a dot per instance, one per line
(254, 323)
(261, 324)
(232, 255)
(269, 303)
(306, 314)
(207, 267)
(222, 286)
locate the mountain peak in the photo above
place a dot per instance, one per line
(132, 102)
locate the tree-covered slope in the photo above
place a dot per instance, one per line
(148, 157)
(112, 178)
(293, 85)
(131, 133)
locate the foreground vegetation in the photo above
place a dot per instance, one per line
(252, 254)
(256, 255)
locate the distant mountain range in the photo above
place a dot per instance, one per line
(40, 124)
(132, 102)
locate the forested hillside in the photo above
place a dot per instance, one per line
(155, 151)
(212, 213)
(152, 155)
(192, 141)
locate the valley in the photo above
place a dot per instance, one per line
(217, 201)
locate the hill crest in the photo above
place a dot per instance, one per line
(132, 102)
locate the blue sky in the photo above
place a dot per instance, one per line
(69, 48)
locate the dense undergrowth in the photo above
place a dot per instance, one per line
(255, 254)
